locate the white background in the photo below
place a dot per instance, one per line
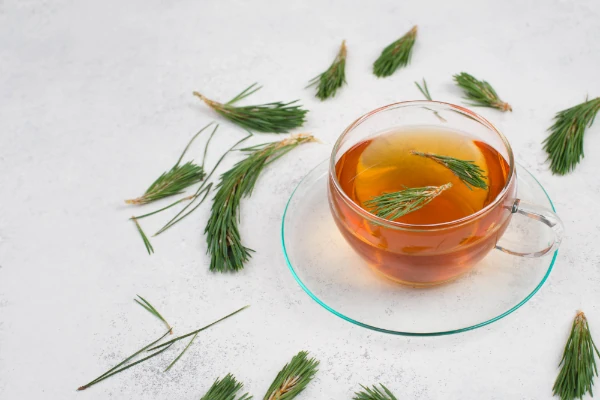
(95, 102)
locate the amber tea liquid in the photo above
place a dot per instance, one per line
(428, 255)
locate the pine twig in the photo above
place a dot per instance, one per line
(424, 89)
(147, 243)
(576, 376)
(374, 393)
(176, 180)
(395, 55)
(226, 389)
(148, 307)
(227, 253)
(293, 378)
(276, 117)
(333, 78)
(565, 143)
(394, 205)
(481, 93)
(467, 171)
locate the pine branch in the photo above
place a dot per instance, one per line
(394, 205)
(565, 143)
(576, 376)
(374, 393)
(423, 89)
(225, 246)
(145, 239)
(148, 307)
(333, 78)
(276, 117)
(176, 180)
(293, 378)
(225, 389)
(395, 55)
(467, 171)
(481, 93)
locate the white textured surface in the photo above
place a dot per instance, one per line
(95, 102)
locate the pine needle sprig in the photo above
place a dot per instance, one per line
(145, 239)
(226, 389)
(394, 205)
(293, 378)
(374, 393)
(148, 307)
(576, 376)
(481, 93)
(227, 253)
(467, 171)
(152, 347)
(565, 143)
(276, 117)
(424, 89)
(395, 55)
(176, 180)
(333, 78)
(203, 191)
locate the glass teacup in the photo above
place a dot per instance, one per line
(421, 255)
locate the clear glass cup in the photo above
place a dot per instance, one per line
(422, 255)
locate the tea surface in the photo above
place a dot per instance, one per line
(385, 164)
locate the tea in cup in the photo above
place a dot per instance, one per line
(406, 146)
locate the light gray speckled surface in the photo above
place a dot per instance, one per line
(95, 101)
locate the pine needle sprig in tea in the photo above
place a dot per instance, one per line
(395, 55)
(374, 393)
(481, 93)
(576, 376)
(293, 378)
(565, 143)
(226, 389)
(176, 180)
(394, 205)
(227, 253)
(333, 78)
(467, 171)
(276, 117)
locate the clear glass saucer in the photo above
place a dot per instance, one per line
(337, 278)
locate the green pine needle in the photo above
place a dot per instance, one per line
(424, 89)
(225, 389)
(176, 180)
(182, 352)
(374, 393)
(192, 333)
(276, 117)
(394, 205)
(293, 378)
(576, 376)
(227, 253)
(481, 93)
(395, 55)
(467, 171)
(565, 143)
(147, 243)
(144, 303)
(333, 78)
(115, 370)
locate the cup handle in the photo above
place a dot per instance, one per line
(543, 215)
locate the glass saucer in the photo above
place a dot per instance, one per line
(337, 278)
